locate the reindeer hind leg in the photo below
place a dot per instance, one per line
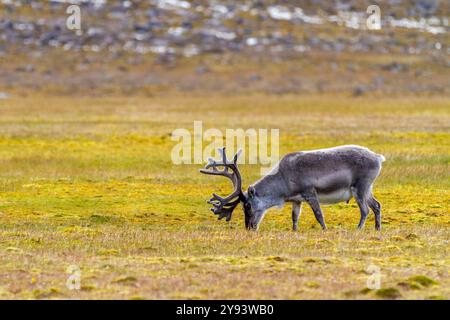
(375, 205)
(361, 193)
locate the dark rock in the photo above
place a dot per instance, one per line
(202, 69)
(395, 67)
(359, 91)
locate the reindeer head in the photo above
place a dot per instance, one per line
(224, 206)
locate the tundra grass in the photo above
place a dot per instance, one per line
(89, 182)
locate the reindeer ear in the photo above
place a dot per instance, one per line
(251, 191)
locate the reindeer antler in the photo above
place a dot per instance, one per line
(224, 206)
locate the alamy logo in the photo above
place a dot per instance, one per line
(373, 22)
(374, 280)
(191, 150)
(73, 21)
(74, 280)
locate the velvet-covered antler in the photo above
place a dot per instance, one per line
(224, 206)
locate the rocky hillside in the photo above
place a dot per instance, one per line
(166, 44)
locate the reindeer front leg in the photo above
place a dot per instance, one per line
(313, 201)
(296, 210)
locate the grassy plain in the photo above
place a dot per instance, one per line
(90, 182)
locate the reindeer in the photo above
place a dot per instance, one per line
(324, 176)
